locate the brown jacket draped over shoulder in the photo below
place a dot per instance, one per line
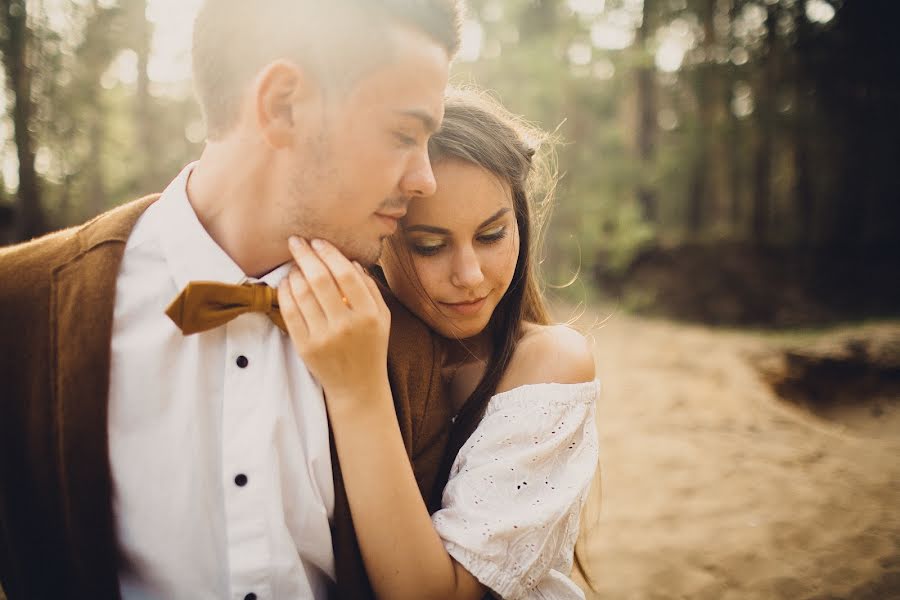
(57, 527)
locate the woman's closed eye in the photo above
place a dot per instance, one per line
(432, 246)
(427, 247)
(493, 235)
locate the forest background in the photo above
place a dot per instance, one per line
(747, 147)
(724, 162)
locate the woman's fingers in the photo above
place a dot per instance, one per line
(374, 292)
(290, 312)
(307, 303)
(322, 285)
(351, 283)
(332, 293)
(343, 339)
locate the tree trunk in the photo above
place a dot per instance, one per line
(97, 200)
(804, 202)
(147, 147)
(97, 61)
(16, 51)
(699, 201)
(734, 156)
(765, 114)
(735, 172)
(646, 122)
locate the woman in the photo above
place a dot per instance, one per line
(462, 262)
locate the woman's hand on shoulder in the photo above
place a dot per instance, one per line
(549, 354)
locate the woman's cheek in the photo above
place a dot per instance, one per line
(430, 271)
(424, 271)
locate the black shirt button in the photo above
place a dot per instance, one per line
(240, 480)
(250, 596)
(242, 361)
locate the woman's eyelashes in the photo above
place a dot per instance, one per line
(432, 246)
(426, 248)
(492, 236)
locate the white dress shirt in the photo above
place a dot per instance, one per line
(219, 440)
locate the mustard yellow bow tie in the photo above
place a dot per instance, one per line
(204, 305)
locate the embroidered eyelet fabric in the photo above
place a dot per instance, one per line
(511, 507)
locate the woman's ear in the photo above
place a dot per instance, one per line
(283, 92)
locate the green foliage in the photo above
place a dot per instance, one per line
(764, 132)
(90, 128)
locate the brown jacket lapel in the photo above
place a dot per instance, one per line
(79, 367)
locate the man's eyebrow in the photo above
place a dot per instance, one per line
(428, 122)
(442, 231)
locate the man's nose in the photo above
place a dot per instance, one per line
(419, 178)
(467, 271)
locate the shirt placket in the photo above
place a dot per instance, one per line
(246, 421)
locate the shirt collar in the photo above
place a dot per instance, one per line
(189, 251)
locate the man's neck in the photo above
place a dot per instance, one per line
(229, 195)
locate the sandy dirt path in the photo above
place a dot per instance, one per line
(715, 489)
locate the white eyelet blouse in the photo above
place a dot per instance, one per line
(510, 511)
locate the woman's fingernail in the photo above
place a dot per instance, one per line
(294, 242)
(318, 245)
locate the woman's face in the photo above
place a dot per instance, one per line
(461, 244)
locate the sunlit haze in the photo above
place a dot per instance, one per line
(173, 20)
(612, 29)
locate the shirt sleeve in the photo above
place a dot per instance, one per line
(510, 510)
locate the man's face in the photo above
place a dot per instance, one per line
(367, 157)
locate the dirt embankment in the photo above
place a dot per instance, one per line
(714, 487)
(744, 285)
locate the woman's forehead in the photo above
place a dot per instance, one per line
(466, 194)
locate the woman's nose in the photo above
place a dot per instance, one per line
(467, 272)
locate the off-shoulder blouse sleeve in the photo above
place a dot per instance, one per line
(510, 510)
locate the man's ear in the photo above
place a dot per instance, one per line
(282, 91)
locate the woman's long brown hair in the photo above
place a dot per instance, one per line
(476, 129)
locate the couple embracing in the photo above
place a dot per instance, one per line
(319, 364)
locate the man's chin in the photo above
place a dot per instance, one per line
(366, 256)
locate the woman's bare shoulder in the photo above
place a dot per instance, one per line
(549, 354)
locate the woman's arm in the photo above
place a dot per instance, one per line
(339, 326)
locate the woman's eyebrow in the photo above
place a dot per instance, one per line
(442, 231)
(428, 229)
(495, 216)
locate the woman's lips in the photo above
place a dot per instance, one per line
(465, 309)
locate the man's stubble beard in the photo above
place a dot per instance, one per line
(310, 222)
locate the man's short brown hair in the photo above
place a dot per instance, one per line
(338, 40)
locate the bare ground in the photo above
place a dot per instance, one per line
(714, 488)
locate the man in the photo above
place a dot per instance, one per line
(148, 453)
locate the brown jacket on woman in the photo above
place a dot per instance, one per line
(57, 528)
